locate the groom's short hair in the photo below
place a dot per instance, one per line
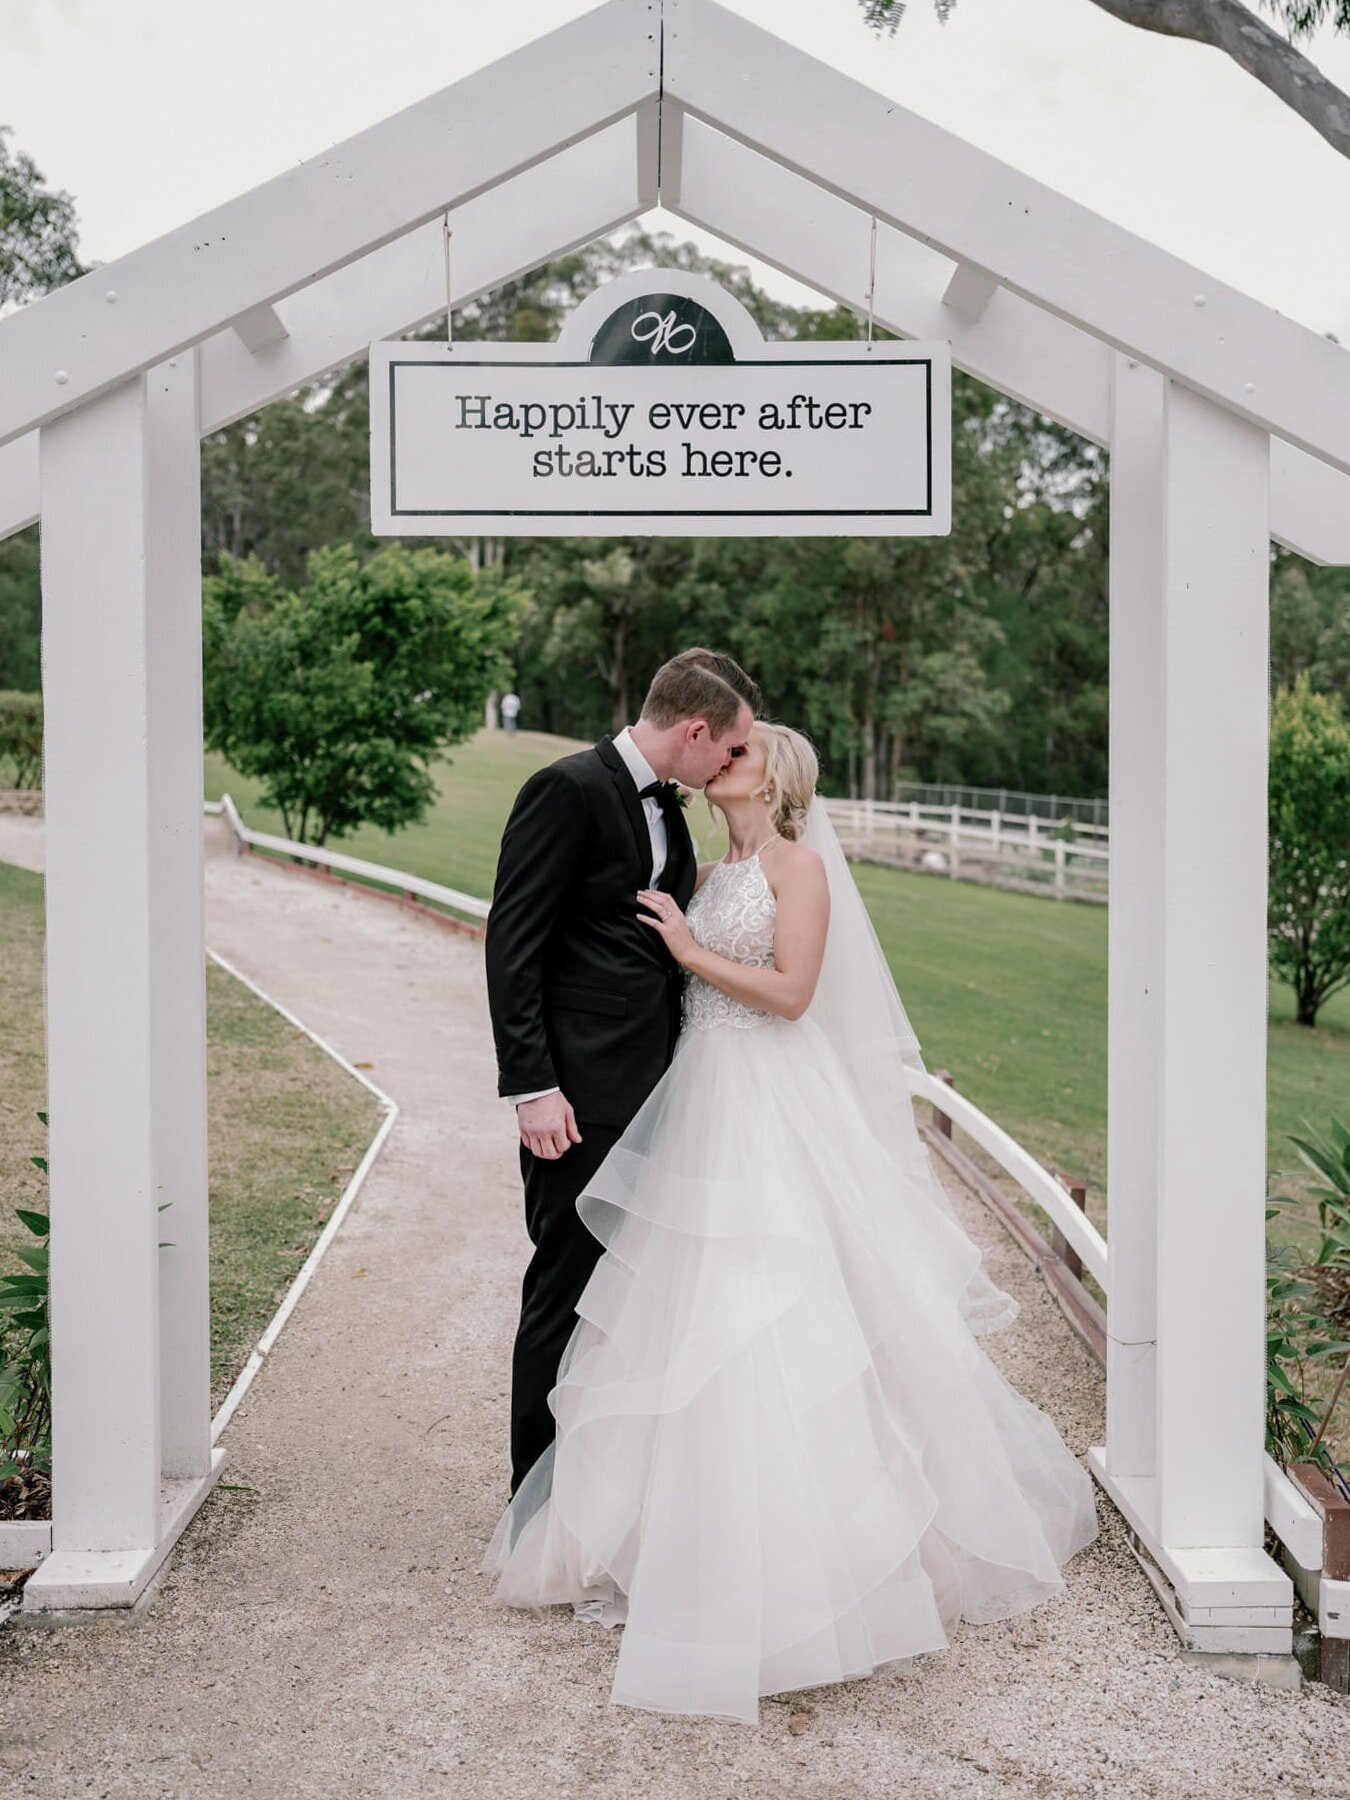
(700, 684)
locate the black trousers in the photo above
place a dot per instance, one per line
(565, 1253)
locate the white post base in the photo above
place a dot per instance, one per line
(1228, 1601)
(87, 1580)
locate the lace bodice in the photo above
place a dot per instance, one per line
(733, 914)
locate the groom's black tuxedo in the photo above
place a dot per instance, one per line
(585, 997)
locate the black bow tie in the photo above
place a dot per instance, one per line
(666, 792)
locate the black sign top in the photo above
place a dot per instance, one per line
(661, 330)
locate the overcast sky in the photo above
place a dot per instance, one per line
(150, 112)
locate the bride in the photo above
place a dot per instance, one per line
(782, 1458)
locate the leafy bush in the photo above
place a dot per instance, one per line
(337, 696)
(1308, 1312)
(26, 1370)
(25, 1363)
(1309, 895)
(21, 738)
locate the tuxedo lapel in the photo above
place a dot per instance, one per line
(678, 875)
(637, 819)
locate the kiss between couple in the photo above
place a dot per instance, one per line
(750, 1418)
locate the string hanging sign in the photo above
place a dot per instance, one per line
(661, 411)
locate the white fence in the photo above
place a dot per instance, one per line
(1022, 851)
(410, 886)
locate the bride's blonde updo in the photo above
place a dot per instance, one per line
(790, 774)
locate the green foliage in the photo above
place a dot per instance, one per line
(25, 1354)
(1308, 1312)
(1298, 18)
(38, 236)
(20, 613)
(21, 740)
(337, 696)
(1309, 890)
(1309, 624)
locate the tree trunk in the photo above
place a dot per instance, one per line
(1306, 992)
(869, 759)
(1254, 46)
(897, 757)
(618, 675)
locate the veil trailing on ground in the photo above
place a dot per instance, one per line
(857, 1004)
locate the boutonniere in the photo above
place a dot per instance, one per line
(683, 795)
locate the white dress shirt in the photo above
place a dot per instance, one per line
(643, 773)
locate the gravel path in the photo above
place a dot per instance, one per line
(321, 1630)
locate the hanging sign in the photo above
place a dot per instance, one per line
(660, 411)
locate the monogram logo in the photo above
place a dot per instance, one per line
(662, 333)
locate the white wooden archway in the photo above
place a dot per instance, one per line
(1227, 425)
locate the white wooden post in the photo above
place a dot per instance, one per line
(177, 922)
(1134, 916)
(1214, 708)
(104, 1276)
(1187, 1006)
(121, 678)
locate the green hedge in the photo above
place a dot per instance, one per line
(21, 740)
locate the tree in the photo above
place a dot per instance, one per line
(338, 695)
(38, 235)
(1309, 893)
(1229, 26)
(1309, 624)
(38, 252)
(20, 612)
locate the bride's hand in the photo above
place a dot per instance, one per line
(665, 916)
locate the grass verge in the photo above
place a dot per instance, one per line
(286, 1127)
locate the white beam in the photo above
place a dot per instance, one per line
(177, 924)
(766, 210)
(800, 228)
(973, 208)
(970, 290)
(268, 243)
(648, 118)
(672, 153)
(573, 198)
(576, 196)
(258, 328)
(20, 502)
(1015, 346)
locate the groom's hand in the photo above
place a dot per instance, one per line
(548, 1126)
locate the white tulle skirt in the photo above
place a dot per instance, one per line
(782, 1456)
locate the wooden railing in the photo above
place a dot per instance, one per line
(1308, 1517)
(1063, 858)
(397, 882)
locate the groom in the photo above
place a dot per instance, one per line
(585, 1000)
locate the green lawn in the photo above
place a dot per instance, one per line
(457, 844)
(286, 1129)
(1006, 990)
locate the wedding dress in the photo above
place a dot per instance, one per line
(782, 1456)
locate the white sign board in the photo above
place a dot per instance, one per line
(676, 419)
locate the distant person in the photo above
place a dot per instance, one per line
(510, 711)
